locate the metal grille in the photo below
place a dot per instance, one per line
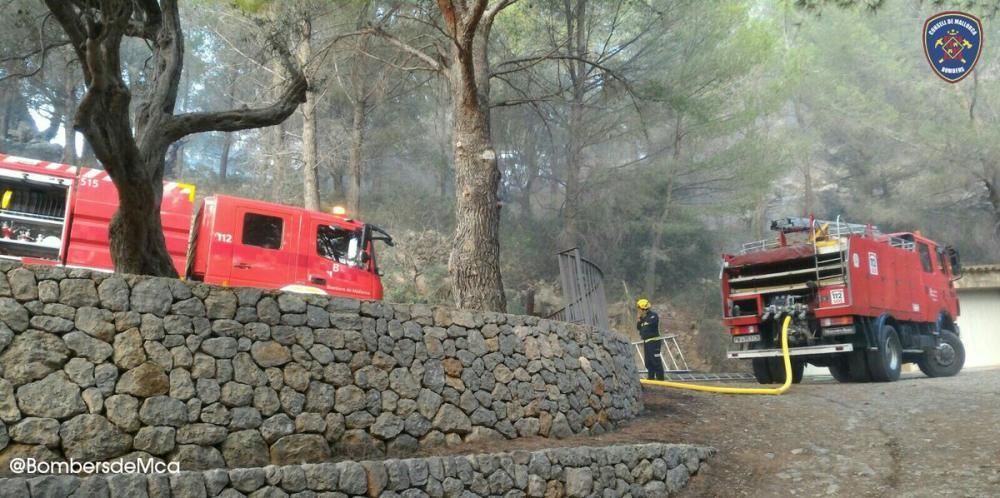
(583, 291)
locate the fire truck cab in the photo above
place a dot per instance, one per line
(246, 243)
(862, 302)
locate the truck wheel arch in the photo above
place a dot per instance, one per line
(945, 322)
(879, 325)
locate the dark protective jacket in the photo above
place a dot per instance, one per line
(649, 325)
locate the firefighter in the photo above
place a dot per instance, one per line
(649, 330)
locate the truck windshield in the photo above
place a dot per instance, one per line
(340, 245)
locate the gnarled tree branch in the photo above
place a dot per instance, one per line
(240, 119)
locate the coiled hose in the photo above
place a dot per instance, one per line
(740, 390)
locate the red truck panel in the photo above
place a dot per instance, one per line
(91, 200)
(94, 204)
(892, 279)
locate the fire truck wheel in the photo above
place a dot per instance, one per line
(839, 370)
(777, 367)
(857, 366)
(886, 363)
(761, 371)
(946, 360)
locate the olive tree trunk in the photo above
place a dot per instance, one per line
(135, 161)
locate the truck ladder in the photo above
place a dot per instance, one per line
(677, 363)
(676, 368)
(834, 263)
(699, 376)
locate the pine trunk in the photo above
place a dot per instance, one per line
(577, 36)
(654, 249)
(227, 144)
(5, 94)
(310, 168)
(69, 103)
(531, 164)
(474, 263)
(356, 166)
(571, 207)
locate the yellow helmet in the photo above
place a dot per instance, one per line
(642, 304)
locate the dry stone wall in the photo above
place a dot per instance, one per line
(649, 470)
(96, 366)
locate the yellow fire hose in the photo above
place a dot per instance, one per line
(740, 390)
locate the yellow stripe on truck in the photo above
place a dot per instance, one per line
(189, 188)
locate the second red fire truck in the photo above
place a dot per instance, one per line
(58, 214)
(863, 303)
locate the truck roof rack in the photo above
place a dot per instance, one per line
(832, 229)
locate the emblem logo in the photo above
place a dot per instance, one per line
(953, 42)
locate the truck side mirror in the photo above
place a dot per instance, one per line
(954, 262)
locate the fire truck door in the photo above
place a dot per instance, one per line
(934, 281)
(336, 260)
(262, 249)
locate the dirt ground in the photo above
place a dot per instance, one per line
(912, 438)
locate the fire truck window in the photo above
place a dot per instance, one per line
(338, 244)
(262, 231)
(925, 257)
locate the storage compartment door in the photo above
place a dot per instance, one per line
(32, 215)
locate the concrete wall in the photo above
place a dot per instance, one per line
(980, 325)
(979, 319)
(649, 470)
(96, 366)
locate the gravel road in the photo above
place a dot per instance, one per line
(917, 437)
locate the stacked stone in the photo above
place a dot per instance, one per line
(649, 470)
(96, 366)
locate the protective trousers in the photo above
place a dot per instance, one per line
(651, 353)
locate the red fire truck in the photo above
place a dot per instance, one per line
(863, 303)
(59, 214)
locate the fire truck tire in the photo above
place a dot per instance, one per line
(776, 367)
(762, 371)
(840, 370)
(945, 361)
(857, 367)
(886, 363)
